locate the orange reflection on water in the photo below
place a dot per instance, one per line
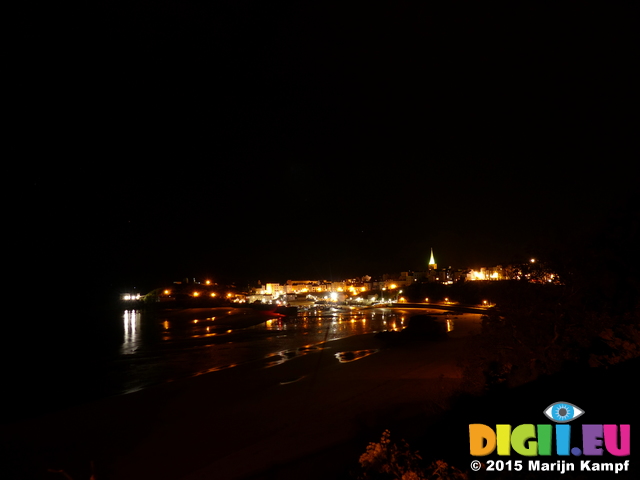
(279, 358)
(346, 357)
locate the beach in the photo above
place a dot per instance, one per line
(310, 416)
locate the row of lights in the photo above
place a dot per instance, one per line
(446, 300)
(197, 294)
(333, 296)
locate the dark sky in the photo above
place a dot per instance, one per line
(240, 140)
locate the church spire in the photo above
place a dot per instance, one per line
(432, 262)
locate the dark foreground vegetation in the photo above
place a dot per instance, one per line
(578, 341)
(592, 320)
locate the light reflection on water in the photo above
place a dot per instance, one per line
(346, 357)
(131, 332)
(279, 358)
(159, 349)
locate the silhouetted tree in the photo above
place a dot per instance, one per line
(591, 320)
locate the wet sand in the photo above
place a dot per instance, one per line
(308, 417)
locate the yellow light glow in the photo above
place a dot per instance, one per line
(393, 285)
(167, 292)
(208, 282)
(213, 294)
(196, 294)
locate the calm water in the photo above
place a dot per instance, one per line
(147, 349)
(166, 348)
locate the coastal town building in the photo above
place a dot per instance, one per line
(360, 288)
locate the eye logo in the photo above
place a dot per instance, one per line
(562, 412)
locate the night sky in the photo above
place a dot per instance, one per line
(244, 141)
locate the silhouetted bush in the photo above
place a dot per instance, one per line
(593, 320)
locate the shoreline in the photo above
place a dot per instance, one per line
(59, 380)
(127, 431)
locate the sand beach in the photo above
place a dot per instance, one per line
(309, 417)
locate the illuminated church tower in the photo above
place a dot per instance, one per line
(432, 262)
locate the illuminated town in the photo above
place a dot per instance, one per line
(365, 290)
